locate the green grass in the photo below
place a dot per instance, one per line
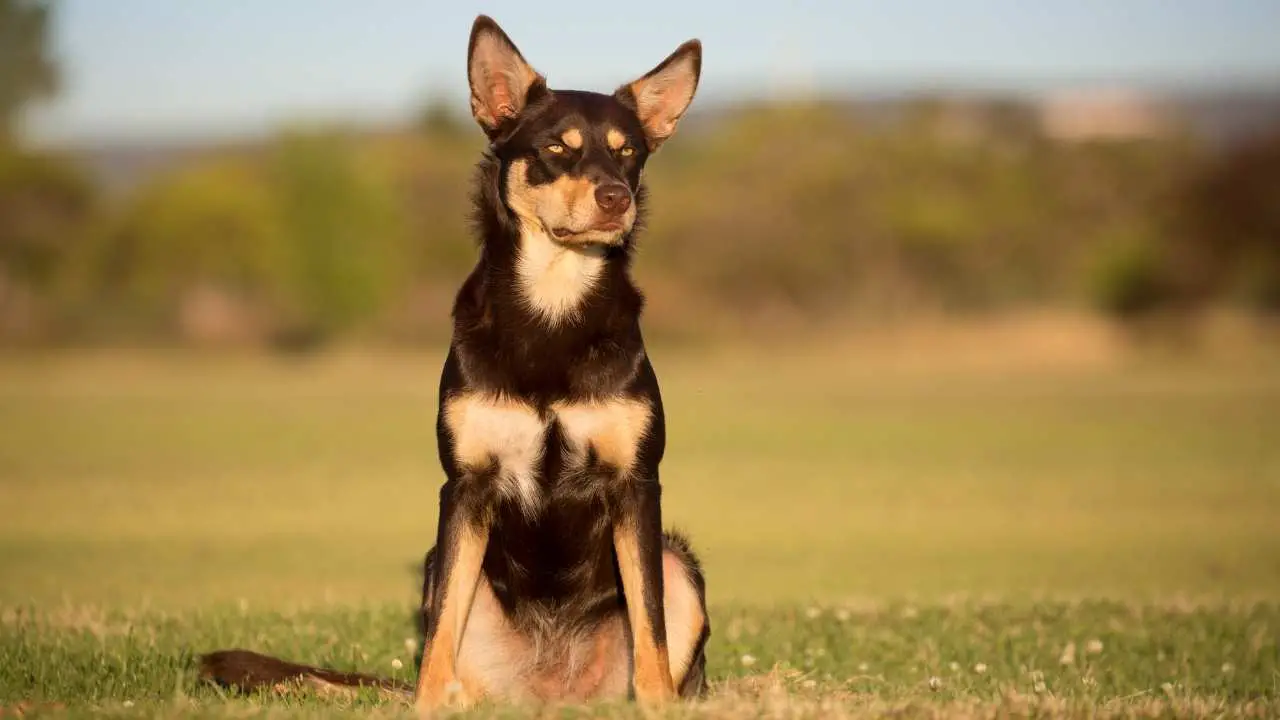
(927, 513)
(969, 658)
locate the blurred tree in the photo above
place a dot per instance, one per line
(207, 237)
(45, 206)
(27, 70)
(1228, 237)
(342, 228)
(1127, 278)
(43, 201)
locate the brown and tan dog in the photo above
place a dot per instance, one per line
(552, 578)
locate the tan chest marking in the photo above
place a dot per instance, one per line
(487, 429)
(613, 428)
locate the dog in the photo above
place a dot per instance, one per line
(552, 578)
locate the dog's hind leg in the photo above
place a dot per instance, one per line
(459, 553)
(687, 624)
(493, 660)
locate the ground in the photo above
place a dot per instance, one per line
(947, 535)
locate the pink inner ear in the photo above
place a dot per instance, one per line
(659, 110)
(662, 98)
(500, 100)
(501, 77)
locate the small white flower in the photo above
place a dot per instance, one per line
(128, 703)
(809, 684)
(1093, 647)
(842, 614)
(410, 644)
(1228, 667)
(862, 667)
(395, 663)
(955, 666)
(813, 613)
(1167, 687)
(935, 682)
(748, 660)
(1039, 686)
(980, 668)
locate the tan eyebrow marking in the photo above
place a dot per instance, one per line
(572, 137)
(615, 139)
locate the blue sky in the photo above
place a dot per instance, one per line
(145, 69)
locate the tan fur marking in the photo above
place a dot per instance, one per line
(652, 668)
(555, 204)
(615, 138)
(572, 138)
(488, 429)
(685, 617)
(574, 191)
(567, 203)
(438, 682)
(613, 428)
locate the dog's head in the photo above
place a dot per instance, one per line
(571, 160)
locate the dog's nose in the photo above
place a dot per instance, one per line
(613, 198)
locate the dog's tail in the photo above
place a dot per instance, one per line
(248, 671)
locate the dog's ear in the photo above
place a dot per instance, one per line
(663, 94)
(500, 78)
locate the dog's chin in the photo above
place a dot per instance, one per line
(600, 236)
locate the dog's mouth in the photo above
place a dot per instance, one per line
(604, 233)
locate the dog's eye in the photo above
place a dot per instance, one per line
(555, 148)
(627, 151)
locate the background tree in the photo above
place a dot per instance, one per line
(28, 71)
(45, 200)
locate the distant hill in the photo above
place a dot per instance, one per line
(1221, 118)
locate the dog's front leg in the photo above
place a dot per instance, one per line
(460, 545)
(637, 539)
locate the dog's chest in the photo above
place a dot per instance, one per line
(516, 438)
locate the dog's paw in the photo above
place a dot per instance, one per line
(654, 689)
(436, 698)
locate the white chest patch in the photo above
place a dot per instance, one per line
(486, 429)
(553, 278)
(613, 429)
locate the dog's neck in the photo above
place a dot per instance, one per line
(525, 278)
(554, 280)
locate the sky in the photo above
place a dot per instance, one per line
(136, 70)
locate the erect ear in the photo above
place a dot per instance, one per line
(664, 93)
(500, 78)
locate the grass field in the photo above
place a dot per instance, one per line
(922, 534)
